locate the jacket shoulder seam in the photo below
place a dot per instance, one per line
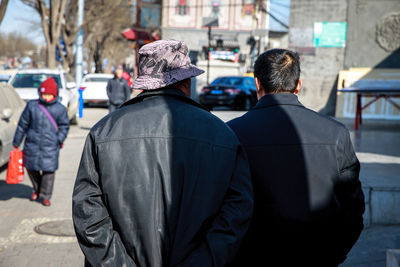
(97, 142)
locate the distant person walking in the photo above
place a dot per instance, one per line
(308, 202)
(162, 181)
(118, 90)
(45, 124)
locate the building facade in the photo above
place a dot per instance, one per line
(242, 29)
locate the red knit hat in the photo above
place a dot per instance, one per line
(49, 86)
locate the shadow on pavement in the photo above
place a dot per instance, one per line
(9, 191)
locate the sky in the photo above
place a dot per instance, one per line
(24, 20)
(279, 9)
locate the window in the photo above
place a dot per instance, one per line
(234, 81)
(182, 8)
(97, 79)
(29, 80)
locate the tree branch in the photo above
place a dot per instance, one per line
(3, 8)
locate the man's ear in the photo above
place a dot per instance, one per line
(258, 86)
(298, 87)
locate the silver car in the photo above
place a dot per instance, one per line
(27, 82)
(11, 107)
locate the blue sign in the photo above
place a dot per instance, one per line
(330, 34)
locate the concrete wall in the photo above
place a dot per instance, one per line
(364, 37)
(373, 41)
(319, 70)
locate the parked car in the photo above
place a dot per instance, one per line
(26, 83)
(94, 88)
(4, 78)
(239, 92)
(11, 107)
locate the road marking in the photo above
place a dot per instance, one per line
(24, 233)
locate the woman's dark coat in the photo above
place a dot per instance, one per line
(42, 142)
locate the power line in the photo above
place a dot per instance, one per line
(276, 12)
(279, 4)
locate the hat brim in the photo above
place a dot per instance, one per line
(159, 80)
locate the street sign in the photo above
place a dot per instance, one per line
(210, 21)
(329, 34)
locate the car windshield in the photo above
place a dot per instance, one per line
(97, 79)
(228, 81)
(30, 80)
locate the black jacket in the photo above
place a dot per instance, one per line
(42, 142)
(308, 199)
(118, 91)
(162, 182)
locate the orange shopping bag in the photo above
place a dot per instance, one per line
(15, 170)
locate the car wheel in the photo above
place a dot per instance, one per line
(74, 120)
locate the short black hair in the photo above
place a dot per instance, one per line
(278, 70)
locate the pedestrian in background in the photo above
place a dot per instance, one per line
(45, 124)
(118, 90)
(162, 181)
(308, 202)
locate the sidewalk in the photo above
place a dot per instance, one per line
(20, 245)
(377, 146)
(370, 249)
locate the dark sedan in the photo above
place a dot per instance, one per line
(238, 92)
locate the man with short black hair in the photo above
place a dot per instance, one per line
(308, 202)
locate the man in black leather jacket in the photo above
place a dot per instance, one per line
(162, 182)
(308, 202)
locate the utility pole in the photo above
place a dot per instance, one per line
(209, 22)
(79, 44)
(208, 55)
(79, 55)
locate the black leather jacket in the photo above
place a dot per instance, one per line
(162, 182)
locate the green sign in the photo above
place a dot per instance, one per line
(329, 34)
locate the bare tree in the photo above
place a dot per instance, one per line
(103, 36)
(3, 8)
(104, 20)
(15, 45)
(51, 17)
(99, 14)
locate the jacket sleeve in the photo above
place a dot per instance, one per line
(63, 126)
(108, 89)
(101, 245)
(23, 126)
(349, 193)
(128, 91)
(229, 227)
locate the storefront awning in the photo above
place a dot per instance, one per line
(137, 35)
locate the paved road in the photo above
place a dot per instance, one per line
(20, 245)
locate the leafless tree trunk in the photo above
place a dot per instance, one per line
(51, 17)
(3, 8)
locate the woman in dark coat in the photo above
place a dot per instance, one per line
(45, 124)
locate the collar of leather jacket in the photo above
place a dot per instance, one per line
(278, 99)
(170, 91)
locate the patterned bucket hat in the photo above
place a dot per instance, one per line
(162, 63)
